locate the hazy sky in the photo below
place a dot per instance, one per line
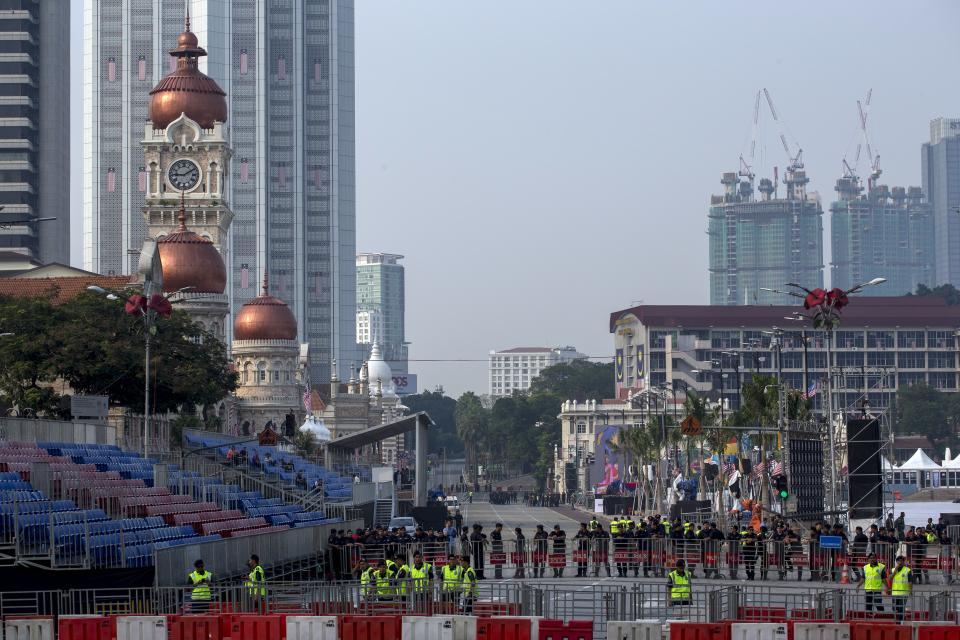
(543, 163)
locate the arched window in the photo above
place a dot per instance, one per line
(111, 69)
(141, 68)
(243, 62)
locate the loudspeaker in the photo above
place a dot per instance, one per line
(570, 476)
(806, 475)
(865, 469)
(746, 466)
(710, 471)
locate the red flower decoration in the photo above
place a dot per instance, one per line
(135, 304)
(161, 305)
(837, 298)
(815, 298)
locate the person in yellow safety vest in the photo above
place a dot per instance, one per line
(383, 579)
(365, 573)
(594, 523)
(874, 574)
(679, 590)
(930, 536)
(200, 579)
(256, 581)
(615, 525)
(402, 576)
(391, 565)
(451, 579)
(470, 589)
(900, 587)
(421, 574)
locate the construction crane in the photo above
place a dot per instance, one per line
(796, 161)
(863, 109)
(746, 169)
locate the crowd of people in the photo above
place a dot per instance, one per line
(649, 547)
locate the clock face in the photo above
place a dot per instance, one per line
(184, 174)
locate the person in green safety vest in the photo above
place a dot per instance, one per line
(402, 576)
(421, 574)
(615, 525)
(388, 558)
(900, 587)
(451, 580)
(200, 579)
(679, 589)
(873, 576)
(256, 582)
(383, 581)
(469, 586)
(365, 574)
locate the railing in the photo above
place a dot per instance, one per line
(599, 603)
(733, 559)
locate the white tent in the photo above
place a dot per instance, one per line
(951, 464)
(919, 461)
(885, 464)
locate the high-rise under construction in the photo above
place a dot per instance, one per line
(761, 244)
(885, 233)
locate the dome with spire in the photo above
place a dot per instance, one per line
(186, 89)
(190, 260)
(379, 371)
(265, 318)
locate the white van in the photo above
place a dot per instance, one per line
(453, 503)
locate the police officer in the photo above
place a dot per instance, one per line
(621, 545)
(382, 581)
(402, 577)
(469, 586)
(900, 587)
(601, 550)
(421, 576)
(559, 537)
(256, 582)
(583, 537)
(679, 589)
(200, 579)
(874, 574)
(642, 537)
(365, 575)
(496, 546)
(521, 551)
(451, 580)
(539, 551)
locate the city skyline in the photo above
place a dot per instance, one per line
(485, 169)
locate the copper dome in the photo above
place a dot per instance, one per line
(190, 260)
(265, 318)
(187, 90)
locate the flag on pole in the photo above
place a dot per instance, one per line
(813, 389)
(777, 469)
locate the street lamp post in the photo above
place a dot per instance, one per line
(826, 307)
(147, 305)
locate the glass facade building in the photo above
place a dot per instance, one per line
(940, 167)
(287, 67)
(886, 233)
(35, 128)
(763, 243)
(381, 307)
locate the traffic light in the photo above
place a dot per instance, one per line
(780, 484)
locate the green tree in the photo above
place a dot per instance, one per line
(580, 380)
(948, 292)
(28, 370)
(921, 409)
(441, 408)
(90, 343)
(472, 422)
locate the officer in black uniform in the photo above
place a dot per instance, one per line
(496, 546)
(583, 538)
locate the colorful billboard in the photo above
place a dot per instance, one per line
(609, 469)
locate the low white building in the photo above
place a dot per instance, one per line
(513, 370)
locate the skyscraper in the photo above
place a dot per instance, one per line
(287, 69)
(886, 233)
(381, 307)
(34, 127)
(766, 243)
(940, 164)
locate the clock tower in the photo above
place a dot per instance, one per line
(186, 155)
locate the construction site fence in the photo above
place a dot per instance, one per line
(598, 603)
(764, 560)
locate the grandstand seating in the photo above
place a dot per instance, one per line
(104, 510)
(336, 486)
